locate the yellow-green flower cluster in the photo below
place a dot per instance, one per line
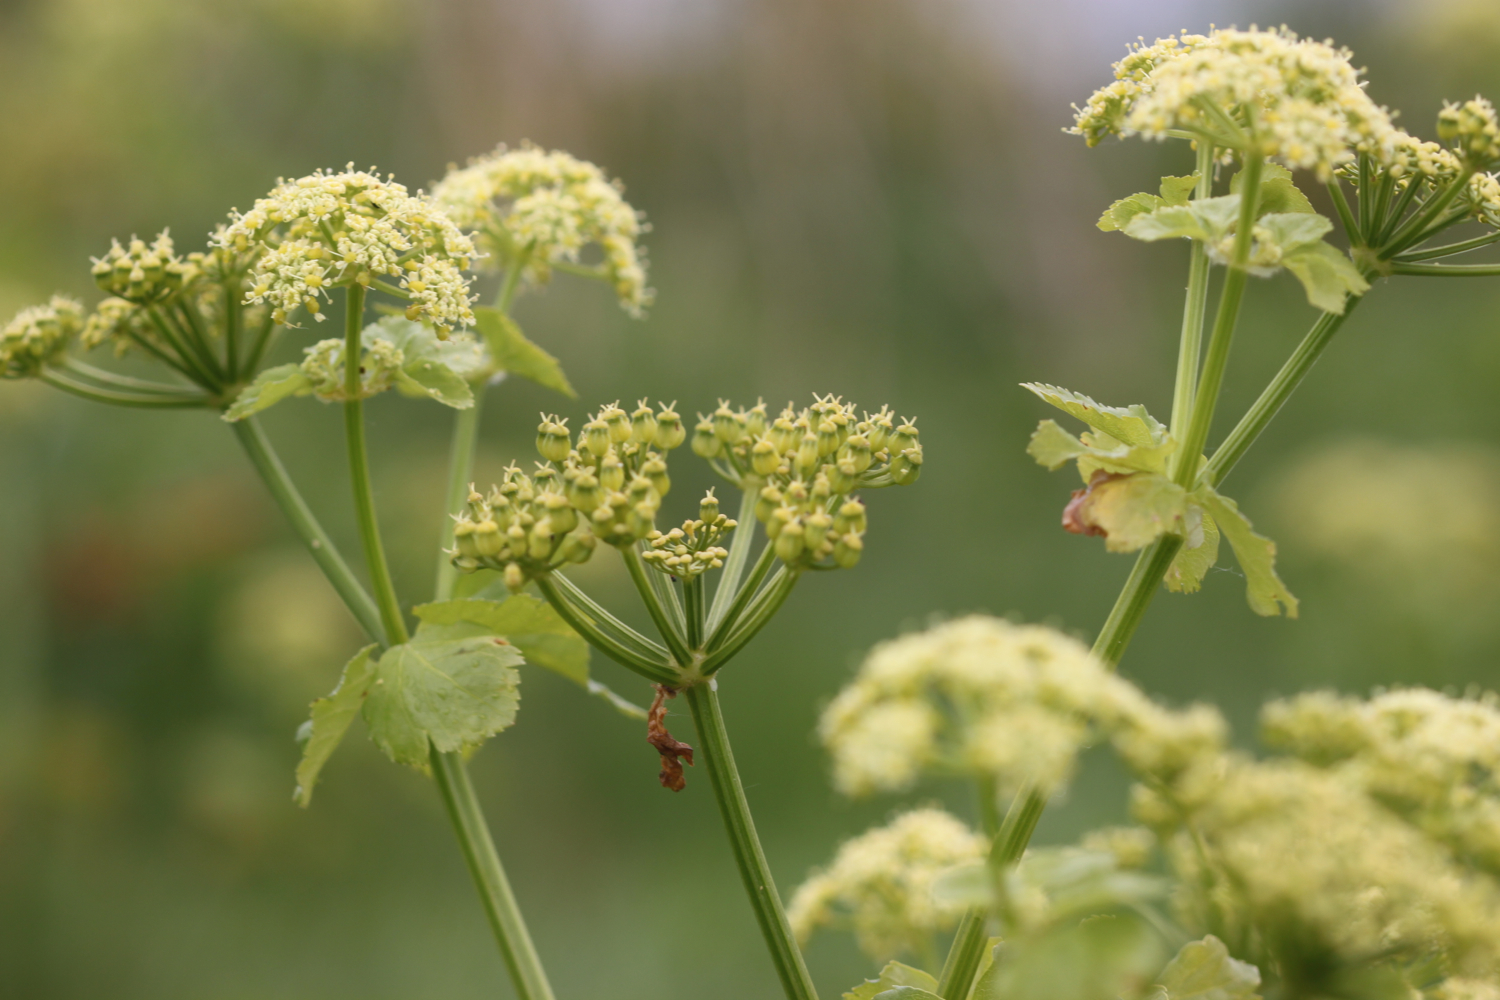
(1472, 130)
(981, 695)
(880, 884)
(379, 364)
(141, 274)
(1433, 759)
(1264, 93)
(38, 335)
(805, 464)
(524, 527)
(331, 229)
(539, 209)
(693, 548)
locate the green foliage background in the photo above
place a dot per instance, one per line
(865, 198)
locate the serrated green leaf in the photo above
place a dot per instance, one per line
(1135, 510)
(907, 993)
(1177, 190)
(1118, 215)
(1130, 425)
(1054, 447)
(453, 692)
(269, 388)
(1104, 452)
(1169, 222)
(330, 719)
(1099, 958)
(893, 975)
(433, 380)
(1326, 275)
(1185, 575)
(1278, 192)
(517, 355)
(1256, 555)
(1291, 230)
(531, 625)
(1203, 970)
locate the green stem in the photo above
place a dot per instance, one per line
(1195, 308)
(1125, 617)
(232, 331)
(669, 635)
(460, 473)
(581, 622)
(359, 472)
(261, 343)
(1393, 220)
(197, 337)
(1448, 250)
(186, 361)
(1206, 398)
(1341, 205)
(623, 633)
(1446, 270)
(693, 611)
(742, 599)
(513, 278)
(703, 700)
(1415, 229)
(55, 378)
(253, 439)
(494, 889)
(734, 566)
(766, 604)
(964, 955)
(1276, 394)
(1366, 197)
(114, 380)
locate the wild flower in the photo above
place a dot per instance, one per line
(37, 335)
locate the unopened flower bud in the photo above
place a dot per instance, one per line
(880, 431)
(552, 440)
(848, 549)
(755, 420)
(708, 508)
(705, 443)
(515, 580)
(611, 472)
(619, 424)
(815, 529)
(764, 458)
(828, 438)
(585, 493)
(655, 469)
(840, 477)
(766, 503)
(907, 466)
(560, 513)
(463, 540)
(670, 433)
(487, 539)
(778, 522)
(596, 438)
(728, 426)
(856, 449)
(851, 517)
(539, 542)
(789, 543)
(784, 434)
(577, 548)
(643, 425)
(807, 455)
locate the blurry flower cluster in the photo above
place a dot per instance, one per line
(535, 209)
(1265, 93)
(330, 229)
(38, 335)
(880, 884)
(141, 274)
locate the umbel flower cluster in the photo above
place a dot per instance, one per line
(1369, 848)
(538, 210)
(331, 230)
(38, 335)
(607, 484)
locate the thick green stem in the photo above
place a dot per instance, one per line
(1447, 270)
(1125, 617)
(1276, 394)
(965, 954)
(760, 612)
(693, 610)
(703, 699)
(623, 633)
(253, 439)
(494, 889)
(1194, 309)
(359, 472)
(600, 638)
(460, 473)
(726, 624)
(734, 566)
(1448, 250)
(1206, 398)
(675, 642)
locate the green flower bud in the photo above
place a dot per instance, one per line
(611, 472)
(856, 449)
(562, 517)
(488, 539)
(796, 494)
(766, 503)
(789, 543)
(828, 438)
(502, 511)
(553, 442)
(906, 437)
(840, 477)
(643, 425)
(764, 458)
(705, 443)
(784, 435)
(815, 529)
(851, 517)
(670, 433)
(907, 466)
(807, 455)
(728, 426)
(478, 509)
(708, 508)
(619, 424)
(655, 469)
(642, 519)
(539, 541)
(848, 549)
(755, 420)
(585, 493)
(778, 522)
(596, 438)
(515, 580)
(880, 430)
(545, 480)
(463, 540)
(577, 548)
(821, 490)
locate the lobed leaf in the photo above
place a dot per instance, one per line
(530, 624)
(1278, 192)
(511, 350)
(1204, 970)
(1290, 230)
(1175, 191)
(907, 993)
(269, 388)
(1327, 276)
(435, 381)
(1130, 425)
(1178, 190)
(1256, 555)
(330, 720)
(894, 975)
(1185, 575)
(452, 692)
(1135, 510)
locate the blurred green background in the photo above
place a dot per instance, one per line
(871, 198)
